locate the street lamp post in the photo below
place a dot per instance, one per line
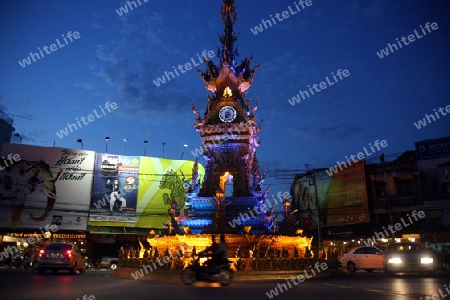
(125, 140)
(318, 212)
(163, 144)
(106, 142)
(81, 142)
(145, 147)
(184, 147)
(286, 205)
(312, 174)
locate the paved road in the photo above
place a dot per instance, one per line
(26, 284)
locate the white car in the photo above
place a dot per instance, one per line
(364, 258)
(109, 262)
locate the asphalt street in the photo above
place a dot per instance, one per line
(27, 284)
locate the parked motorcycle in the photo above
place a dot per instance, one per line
(9, 262)
(19, 262)
(26, 262)
(89, 265)
(222, 273)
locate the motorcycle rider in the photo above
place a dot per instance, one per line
(222, 251)
(214, 253)
(214, 269)
(218, 253)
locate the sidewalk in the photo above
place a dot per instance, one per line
(238, 276)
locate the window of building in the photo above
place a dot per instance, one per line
(380, 189)
(404, 188)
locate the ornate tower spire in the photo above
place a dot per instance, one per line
(228, 53)
(228, 73)
(228, 128)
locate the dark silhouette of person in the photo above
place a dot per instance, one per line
(222, 255)
(214, 253)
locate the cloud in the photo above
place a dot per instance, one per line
(142, 51)
(104, 54)
(109, 74)
(2, 106)
(130, 92)
(96, 26)
(33, 135)
(187, 15)
(375, 10)
(334, 133)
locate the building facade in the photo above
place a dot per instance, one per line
(416, 181)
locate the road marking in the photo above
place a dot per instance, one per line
(339, 285)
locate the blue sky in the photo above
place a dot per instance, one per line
(117, 58)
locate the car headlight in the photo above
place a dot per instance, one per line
(426, 260)
(395, 260)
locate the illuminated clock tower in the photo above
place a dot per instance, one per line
(228, 129)
(229, 135)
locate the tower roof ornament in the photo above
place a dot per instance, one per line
(228, 10)
(228, 53)
(215, 77)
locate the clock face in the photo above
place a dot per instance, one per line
(227, 114)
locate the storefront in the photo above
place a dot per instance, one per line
(28, 242)
(76, 237)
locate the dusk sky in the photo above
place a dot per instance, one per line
(114, 58)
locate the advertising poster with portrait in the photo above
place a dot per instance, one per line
(115, 189)
(304, 194)
(151, 190)
(342, 198)
(347, 197)
(48, 185)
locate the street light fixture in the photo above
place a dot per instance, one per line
(81, 142)
(19, 136)
(184, 147)
(145, 147)
(125, 140)
(163, 144)
(106, 141)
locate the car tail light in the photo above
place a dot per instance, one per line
(69, 253)
(41, 253)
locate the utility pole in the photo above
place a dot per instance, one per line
(319, 235)
(388, 195)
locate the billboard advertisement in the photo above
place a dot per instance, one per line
(433, 162)
(342, 197)
(434, 149)
(303, 191)
(42, 186)
(347, 197)
(138, 191)
(115, 188)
